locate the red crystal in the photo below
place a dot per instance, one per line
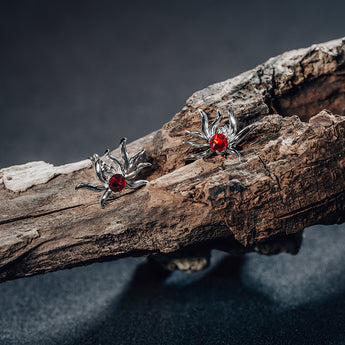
(218, 142)
(117, 182)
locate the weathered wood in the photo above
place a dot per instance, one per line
(292, 177)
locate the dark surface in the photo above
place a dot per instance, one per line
(74, 78)
(281, 299)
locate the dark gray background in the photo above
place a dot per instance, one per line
(75, 76)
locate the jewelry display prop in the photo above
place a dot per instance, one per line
(291, 176)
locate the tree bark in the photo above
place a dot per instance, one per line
(292, 177)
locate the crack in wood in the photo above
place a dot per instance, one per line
(28, 216)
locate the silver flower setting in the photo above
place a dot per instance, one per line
(221, 140)
(115, 177)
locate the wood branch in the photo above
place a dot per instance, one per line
(292, 177)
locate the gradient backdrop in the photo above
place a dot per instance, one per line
(75, 76)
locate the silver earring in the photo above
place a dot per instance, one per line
(115, 177)
(218, 139)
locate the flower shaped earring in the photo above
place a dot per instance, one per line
(218, 139)
(116, 177)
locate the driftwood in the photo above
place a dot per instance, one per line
(292, 177)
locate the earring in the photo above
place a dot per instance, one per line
(116, 177)
(218, 139)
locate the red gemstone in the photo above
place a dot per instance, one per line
(117, 182)
(218, 142)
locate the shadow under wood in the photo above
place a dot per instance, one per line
(217, 308)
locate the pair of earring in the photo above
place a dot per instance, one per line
(115, 174)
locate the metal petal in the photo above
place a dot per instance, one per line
(196, 134)
(215, 123)
(200, 155)
(136, 171)
(115, 160)
(104, 197)
(232, 122)
(135, 158)
(98, 170)
(136, 184)
(192, 143)
(242, 134)
(124, 153)
(204, 123)
(94, 157)
(235, 152)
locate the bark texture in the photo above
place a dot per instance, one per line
(292, 177)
